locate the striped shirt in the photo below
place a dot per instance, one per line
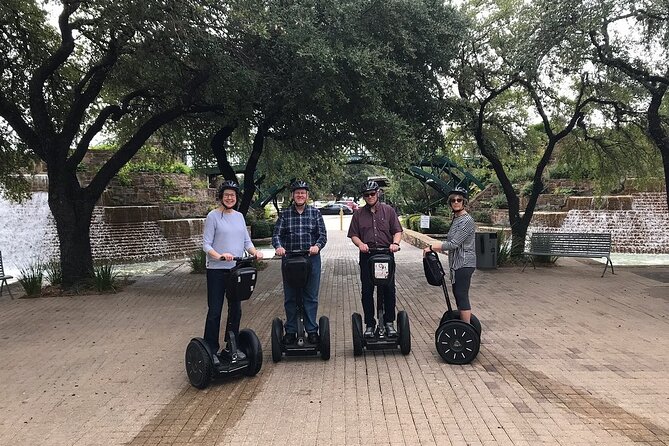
(461, 243)
(299, 232)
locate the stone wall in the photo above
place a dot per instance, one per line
(643, 229)
(132, 241)
(153, 188)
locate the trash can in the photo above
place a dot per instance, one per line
(486, 250)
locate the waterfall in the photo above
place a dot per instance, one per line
(27, 233)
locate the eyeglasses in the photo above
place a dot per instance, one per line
(369, 194)
(229, 195)
(455, 200)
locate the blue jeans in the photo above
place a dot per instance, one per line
(216, 283)
(309, 299)
(386, 292)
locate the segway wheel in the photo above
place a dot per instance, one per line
(356, 325)
(457, 342)
(405, 332)
(455, 314)
(277, 333)
(250, 345)
(199, 365)
(324, 334)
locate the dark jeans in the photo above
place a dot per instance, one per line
(386, 292)
(216, 283)
(309, 299)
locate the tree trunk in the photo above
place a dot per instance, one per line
(73, 211)
(250, 170)
(657, 132)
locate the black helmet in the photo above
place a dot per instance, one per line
(458, 190)
(299, 184)
(369, 186)
(227, 184)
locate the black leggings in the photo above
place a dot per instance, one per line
(463, 279)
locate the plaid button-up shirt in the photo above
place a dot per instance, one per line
(298, 232)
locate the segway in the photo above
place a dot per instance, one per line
(457, 342)
(296, 269)
(202, 363)
(382, 271)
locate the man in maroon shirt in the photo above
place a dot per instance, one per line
(375, 225)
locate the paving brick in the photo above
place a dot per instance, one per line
(567, 358)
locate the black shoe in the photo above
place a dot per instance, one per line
(312, 338)
(369, 331)
(290, 338)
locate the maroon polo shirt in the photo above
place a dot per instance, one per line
(375, 228)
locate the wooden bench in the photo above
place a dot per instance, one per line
(570, 244)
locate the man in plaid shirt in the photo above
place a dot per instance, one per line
(301, 228)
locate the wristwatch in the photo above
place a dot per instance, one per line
(393, 243)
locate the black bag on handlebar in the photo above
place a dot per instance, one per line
(434, 272)
(296, 270)
(241, 281)
(382, 269)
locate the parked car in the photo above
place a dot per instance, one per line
(334, 208)
(350, 203)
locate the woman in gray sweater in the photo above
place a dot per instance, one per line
(460, 244)
(225, 236)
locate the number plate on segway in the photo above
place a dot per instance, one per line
(382, 269)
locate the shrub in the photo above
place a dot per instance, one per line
(413, 222)
(53, 272)
(521, 174)
(503, 248)
(198, 262)
(262, 229)
(180, 199)
(104, 277)
(438, 225)
(566, 191)
(482, 216)
(499, 201)
(31, 279)
(558, 171)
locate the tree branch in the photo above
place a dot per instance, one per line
(38, 107)
(10, 113)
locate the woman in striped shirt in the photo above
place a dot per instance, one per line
(460, 244)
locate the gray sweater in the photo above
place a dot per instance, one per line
(225, 233)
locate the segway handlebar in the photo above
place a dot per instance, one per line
(301, 252)
(239, 259)
(382, 250)
(242, 258)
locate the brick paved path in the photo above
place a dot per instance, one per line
(567, 358)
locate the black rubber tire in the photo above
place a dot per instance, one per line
(455, 314)
(457, 342)
(356, 326)
(324, 335)
(277, 334)
(199, 364)
(404, 332)
(250, 344)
